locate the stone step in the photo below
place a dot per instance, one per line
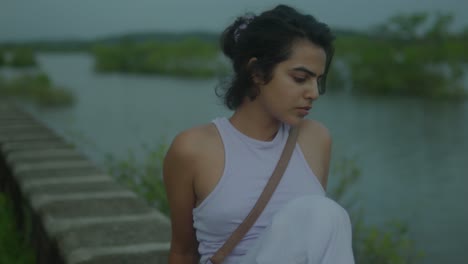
(8, 147)
(80, 214)
(133, 254)
(44, 155)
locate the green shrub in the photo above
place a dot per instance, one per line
(409, 55)
(23, 57)
(389, 244)
(2, 58)
(36, 88)
(188, 58)
(14, 248)
(144, 178)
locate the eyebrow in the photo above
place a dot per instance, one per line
(303, 69)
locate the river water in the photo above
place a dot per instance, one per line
(413, 153)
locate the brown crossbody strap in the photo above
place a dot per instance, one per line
(262, 201)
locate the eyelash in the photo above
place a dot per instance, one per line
(299, 80)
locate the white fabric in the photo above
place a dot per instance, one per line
(299, 224)
(248, 166)
(310, 230)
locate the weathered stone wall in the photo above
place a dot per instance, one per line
(73, 212)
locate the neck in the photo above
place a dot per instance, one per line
(254, 122)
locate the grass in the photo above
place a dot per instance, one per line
(36, 88)
(388, 244)
(142, 177)
(14, 248)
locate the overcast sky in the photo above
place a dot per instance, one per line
(88, 19)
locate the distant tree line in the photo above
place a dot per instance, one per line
(410, 55)
(18, 58)
(190, 57)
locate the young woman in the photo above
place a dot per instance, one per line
(214, 173)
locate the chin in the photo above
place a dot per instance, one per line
(293, 120)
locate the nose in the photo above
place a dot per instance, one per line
(311, 91)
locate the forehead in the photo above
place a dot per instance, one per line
(307, 54)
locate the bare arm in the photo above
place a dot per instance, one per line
(315, 142)
(178, 171)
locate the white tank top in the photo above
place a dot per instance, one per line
(249, 164)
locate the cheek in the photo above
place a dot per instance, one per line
(281, 93)
(288, 90)
(285, 96)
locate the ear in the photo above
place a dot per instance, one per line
(256, 77)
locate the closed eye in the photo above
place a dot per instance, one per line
(300, 80)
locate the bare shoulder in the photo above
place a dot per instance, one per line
(190, 151)
(315, 142)
(314, 130)
(185, 151)
(191, 141)
(180, 168)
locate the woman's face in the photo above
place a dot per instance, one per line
(289, 95)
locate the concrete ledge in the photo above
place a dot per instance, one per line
(69, 184)
(44, 154)
(61, 225)
(9, 127)
(81, 199)
(86, 171)
(112, 234)
(51, 165)
(79, 214)
(18, 146)
(95, 206)
(145, 253)
(30, 136)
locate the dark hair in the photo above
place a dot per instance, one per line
(268, 37)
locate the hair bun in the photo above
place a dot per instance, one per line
(231, 34)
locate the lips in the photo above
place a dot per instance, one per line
(307, 108)
(303, 111)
